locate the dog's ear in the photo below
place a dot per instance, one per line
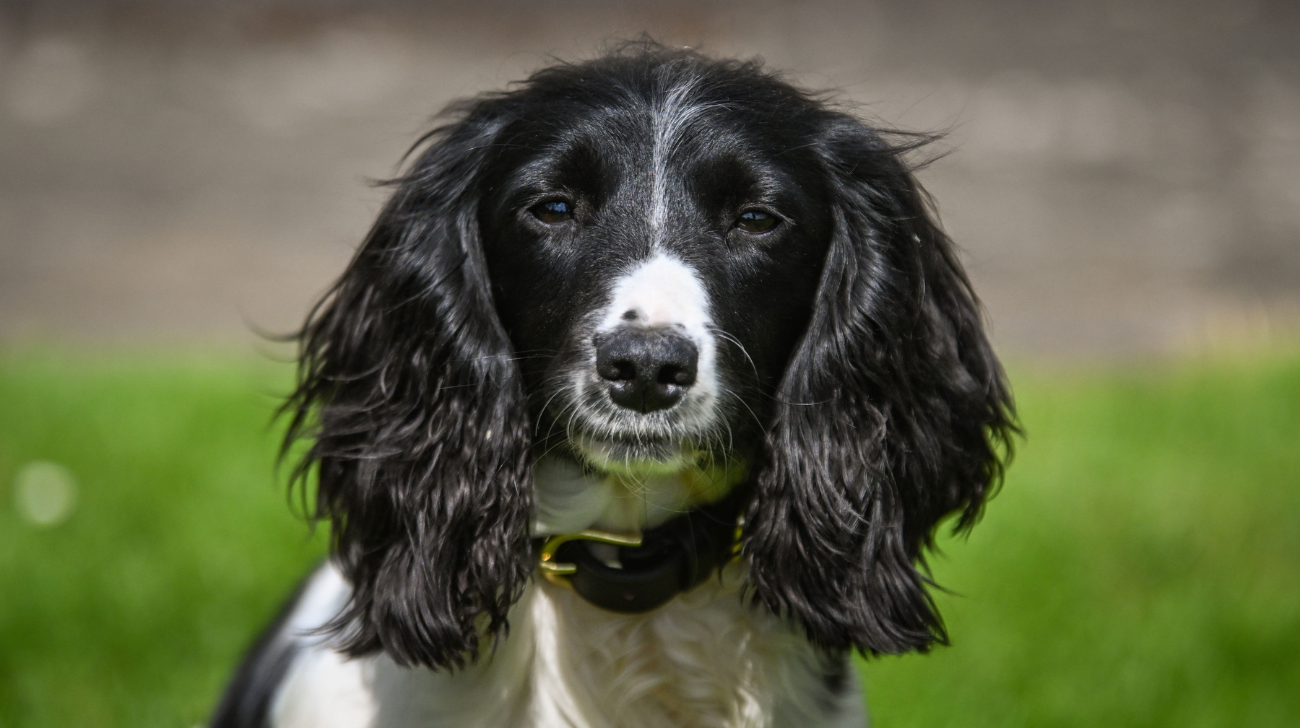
(893, 413)
(411, 398)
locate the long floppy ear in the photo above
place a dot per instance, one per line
(893, 413)
(408, 389)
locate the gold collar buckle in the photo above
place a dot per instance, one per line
(554, 571)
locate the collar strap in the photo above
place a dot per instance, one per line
(654, 567)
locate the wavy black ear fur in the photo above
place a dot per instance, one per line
(893, 413)
(409, 393)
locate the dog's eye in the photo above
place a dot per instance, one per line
(756, 221)
(552, 212)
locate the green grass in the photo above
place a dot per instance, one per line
(132, 612)
(1141, 566)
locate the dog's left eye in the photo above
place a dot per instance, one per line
(552, 212)
(756, 221)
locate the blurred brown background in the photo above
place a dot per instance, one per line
(1124, 177)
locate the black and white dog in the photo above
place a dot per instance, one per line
(637, 407)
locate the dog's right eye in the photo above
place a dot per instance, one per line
(552, 212)
(756, 221)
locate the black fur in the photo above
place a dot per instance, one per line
(408, 386)
(893, 413)
(859, 383)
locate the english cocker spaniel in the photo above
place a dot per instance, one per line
(637, 407)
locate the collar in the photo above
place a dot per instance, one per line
(656, 565)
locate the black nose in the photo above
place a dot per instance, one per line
(646, 369)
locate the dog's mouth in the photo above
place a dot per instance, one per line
(638, 455)
(706, 475)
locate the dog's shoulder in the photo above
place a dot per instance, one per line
(291, 646)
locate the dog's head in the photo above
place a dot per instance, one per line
(663, 271)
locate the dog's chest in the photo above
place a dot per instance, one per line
(702, 660)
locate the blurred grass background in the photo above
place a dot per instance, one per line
(1141, 566)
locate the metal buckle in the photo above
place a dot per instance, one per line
(554, 571)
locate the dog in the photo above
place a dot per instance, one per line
(638, 406)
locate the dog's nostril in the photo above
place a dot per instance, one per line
(630, 315)
(674, 375)
(616, 370)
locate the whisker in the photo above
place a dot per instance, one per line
(732, 339)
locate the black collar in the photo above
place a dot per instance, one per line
(668, 560)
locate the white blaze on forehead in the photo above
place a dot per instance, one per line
(672, 115)
(662, 291)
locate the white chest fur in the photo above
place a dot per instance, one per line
(704, 659)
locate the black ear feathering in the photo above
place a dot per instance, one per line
(893, 413)
(409, 393)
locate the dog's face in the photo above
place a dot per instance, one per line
(649, 264)
(654, 264)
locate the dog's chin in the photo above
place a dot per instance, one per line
(634, 456)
